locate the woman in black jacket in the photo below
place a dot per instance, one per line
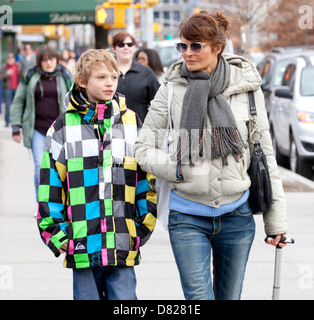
(137, 82)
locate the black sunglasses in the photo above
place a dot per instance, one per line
(122, 44)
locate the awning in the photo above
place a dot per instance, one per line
(52, 11)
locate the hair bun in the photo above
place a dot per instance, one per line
(222, 20)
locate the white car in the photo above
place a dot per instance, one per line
(292, 116)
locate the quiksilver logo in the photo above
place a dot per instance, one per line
(80, 246)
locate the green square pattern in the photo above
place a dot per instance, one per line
(77, 196)
(43, 193)
(73, 119)
(81, 260)
(107, 158)
(108, 207)
(79, 229)
(76, 164)
(45, 161)
(110, 240)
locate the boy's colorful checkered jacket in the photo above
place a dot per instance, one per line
(91, 192)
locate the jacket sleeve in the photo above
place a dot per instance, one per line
(3, 73)
(147, 148)
(145, 202)
(276, 219)
(18, 105)
(52, 194)
(146, 211)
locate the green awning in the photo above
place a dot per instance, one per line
(52, 11)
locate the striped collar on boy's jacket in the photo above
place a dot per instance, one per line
(90, 111)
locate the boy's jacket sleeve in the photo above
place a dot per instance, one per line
(146, 201)
(52, 195)
(146, 208)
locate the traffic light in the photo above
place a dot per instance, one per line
(104, 15)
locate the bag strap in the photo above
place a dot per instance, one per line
(255, 135)
(170, 93)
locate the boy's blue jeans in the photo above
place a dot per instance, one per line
(229, 237)
(104, 283)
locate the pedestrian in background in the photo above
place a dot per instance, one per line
(38, 102)
(89, 171)
(150, 58)
(209, 210)
(68, 61)
(27, 60)
(10, 76)
(138, 83)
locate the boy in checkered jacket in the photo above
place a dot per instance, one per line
(95, 202)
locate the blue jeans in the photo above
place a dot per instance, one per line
(228, 238)
(8, 98)
(38, 146)
(104, 283)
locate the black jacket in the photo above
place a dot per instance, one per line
(139, 85)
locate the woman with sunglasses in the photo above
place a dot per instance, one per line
(210, 216)
(137, 82)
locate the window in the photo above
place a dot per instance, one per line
(307, 85)
(176, 15)
(265, 73)
(288, 75)
(166, 17)
(279, 71)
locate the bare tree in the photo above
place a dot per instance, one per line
(291, 24)
(246, 15)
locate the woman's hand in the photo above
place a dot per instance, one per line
(274, 240)
(17, 137)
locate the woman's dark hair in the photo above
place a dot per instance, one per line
(206, 27)
(154, 61)
(46, 51)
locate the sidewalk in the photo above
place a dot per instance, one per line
(28, 270)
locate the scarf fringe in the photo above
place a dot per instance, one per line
(225, 141)
(222, 142)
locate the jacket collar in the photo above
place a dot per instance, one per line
(92, 111)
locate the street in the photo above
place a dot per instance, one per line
(28, 270)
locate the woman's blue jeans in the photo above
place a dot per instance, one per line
(104, 283)
(8, 98)
(38, 146)
(228, 237)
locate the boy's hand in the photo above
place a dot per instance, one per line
(63, 248)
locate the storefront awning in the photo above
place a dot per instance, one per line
(52, 11)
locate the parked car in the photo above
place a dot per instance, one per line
(292, 115)
(167, 52)
(272, 69)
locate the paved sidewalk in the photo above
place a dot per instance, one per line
(28, 270)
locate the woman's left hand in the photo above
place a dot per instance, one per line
(274, 241)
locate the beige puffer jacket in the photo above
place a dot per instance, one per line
(211, 183)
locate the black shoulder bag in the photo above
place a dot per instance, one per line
(261, 191)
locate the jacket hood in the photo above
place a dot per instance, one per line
(77, 101)
(244, 76)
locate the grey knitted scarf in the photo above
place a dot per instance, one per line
(203, 97)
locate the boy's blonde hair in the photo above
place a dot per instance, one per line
(91, 59)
